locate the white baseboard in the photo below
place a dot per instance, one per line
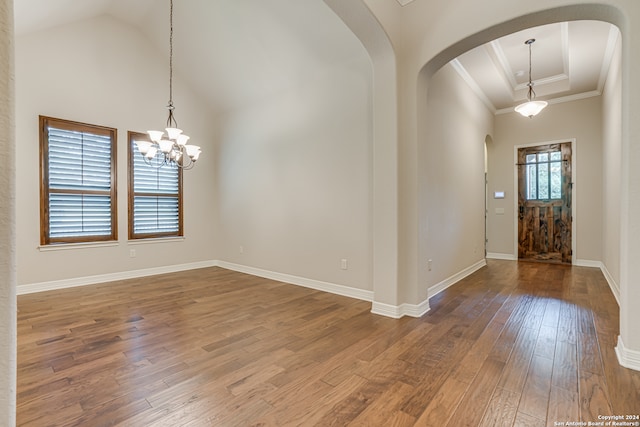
(613, 285)
(508, 257)
(109, 277)
(398, 311)
(418, 310)
(436, 289)
(588, 263)
(301, 281)
(626, 357)
(387, 310)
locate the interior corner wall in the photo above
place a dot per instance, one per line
(8, 310)
(102, 71)
(611, 159)
(451, 176)
(582, 120)
(294, 179)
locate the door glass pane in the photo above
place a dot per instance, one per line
(543, 181)
(531, 158)
(556, 155)
(543, 157)
(532, 192)
(556, 180)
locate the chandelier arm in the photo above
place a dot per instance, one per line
(181, 164)
(188, 166)
(156, 165)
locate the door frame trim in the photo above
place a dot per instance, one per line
(574, 191)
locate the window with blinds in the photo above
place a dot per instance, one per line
(78, 182)
(155, 196)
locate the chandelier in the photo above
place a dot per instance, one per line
(172, 148)
(531, 107)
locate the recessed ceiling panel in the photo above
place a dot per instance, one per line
(568, 60)
(548, 53)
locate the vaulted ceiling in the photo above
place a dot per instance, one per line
(229, 51)
(234, 51)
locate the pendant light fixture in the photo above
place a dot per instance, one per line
(531, 107)
(173, 147)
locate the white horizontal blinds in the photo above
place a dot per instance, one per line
(79, 160)
(155, 214)
(79, 187)
(149, 179)
(72, 215)
(156, 197)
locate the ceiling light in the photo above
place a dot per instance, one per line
(531, 107)
(170, 149)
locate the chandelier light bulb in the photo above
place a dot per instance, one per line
(173, 133)
(155, 135)
(143, 146)
(151, 153)
(182, 139)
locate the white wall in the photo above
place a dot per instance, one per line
(577, 119)
(104, 72)
(294, 179)
(611, 160)
(7, 222)
(452, 182)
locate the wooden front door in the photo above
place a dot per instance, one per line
(544, 203)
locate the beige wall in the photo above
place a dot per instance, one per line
(577, 120)
(7, 222)
(452, 181)
(294, 179)
(611, 159)
(104, 72)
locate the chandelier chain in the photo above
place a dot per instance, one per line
(531, 94)
(171, 121)
(173, 148)
(530, 62)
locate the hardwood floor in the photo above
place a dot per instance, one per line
(512, 344)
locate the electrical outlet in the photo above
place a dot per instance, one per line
(132, 253)
(241, 249)
(429, 264)
(343, 264)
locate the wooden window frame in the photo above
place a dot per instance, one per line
(132, 151)
(45, 191)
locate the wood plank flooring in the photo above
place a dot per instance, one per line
(512, 344)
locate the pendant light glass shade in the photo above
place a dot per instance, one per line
(531, 108)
